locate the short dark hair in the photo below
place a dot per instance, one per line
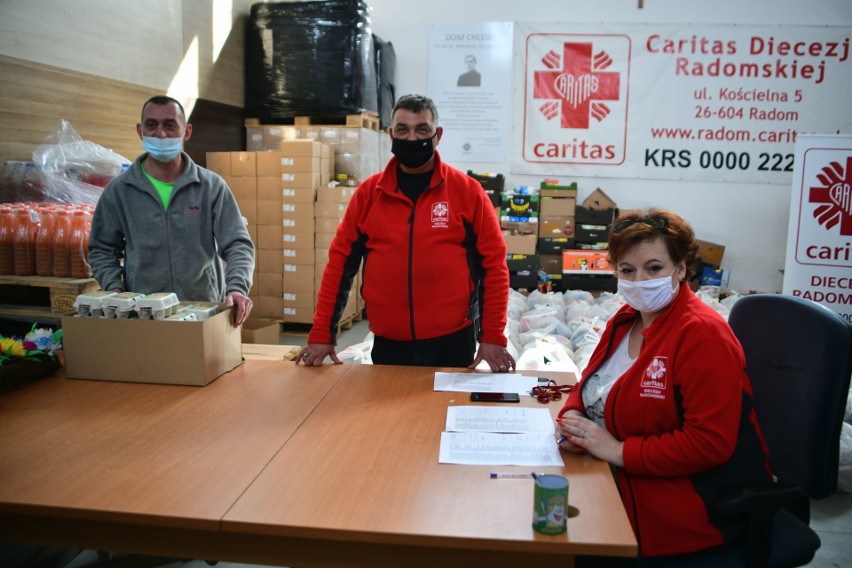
(678, 236)
(163, 100)
(416, 103)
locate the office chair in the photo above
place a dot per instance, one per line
(799, 361)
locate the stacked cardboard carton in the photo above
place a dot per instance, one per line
(276, 193)
(556, 227)
(276, 185)
(355, 151)
(329, 209)
(587, 267)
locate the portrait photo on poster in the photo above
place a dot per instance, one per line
(471, 77)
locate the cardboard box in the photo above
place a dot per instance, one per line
(151, 351)
(592, 233)
(710, 253)
(243, 164)
(585, 261)
(589, 216)
(269, 261)
(269, 188)
(301, 147)
(269, 283)
(297, 194)
(298, 315)
(520, 244)
(294, 238)
(298, 255)
(336, 193)
(330, 209)
(555, 245)
(243, 187)
(557, 202)
(301, 179)
(556, 227)
(550, 263)
(599, 200)
(519, 207)
(260, 331)
(248, 209)
(523, 280)
(219, 162)
(323, 240)
(521, 262)
(269, 213)
(268, 307)
(269, 236)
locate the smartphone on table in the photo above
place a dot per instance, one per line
(495, 397)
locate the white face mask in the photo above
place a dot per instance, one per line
(648, 295)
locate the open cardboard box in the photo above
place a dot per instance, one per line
(150, 351)
(260, 331)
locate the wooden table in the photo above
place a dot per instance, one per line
(275, 463)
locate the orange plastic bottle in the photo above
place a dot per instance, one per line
(78, 246)
(7, 241)
(24, 242)
(61, 232)
(44, 243)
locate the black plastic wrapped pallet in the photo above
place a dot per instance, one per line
(309, 59)
(386, 76)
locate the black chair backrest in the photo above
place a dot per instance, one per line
(799, 361)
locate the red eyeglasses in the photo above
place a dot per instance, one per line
(551, 391)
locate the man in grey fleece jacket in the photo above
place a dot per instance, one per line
(171, 222)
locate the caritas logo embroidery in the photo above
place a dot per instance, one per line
(440, 215)
(834, 197)
(655, 378)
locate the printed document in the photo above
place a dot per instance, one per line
(485, 448)
(485, 382)
(518, 420)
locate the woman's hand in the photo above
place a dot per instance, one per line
(580, 432)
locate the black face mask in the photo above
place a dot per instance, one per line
(413, 153)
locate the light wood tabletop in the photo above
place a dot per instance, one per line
(366, 467)
(279, 464)
(162, 456)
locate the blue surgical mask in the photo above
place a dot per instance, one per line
(162, 149)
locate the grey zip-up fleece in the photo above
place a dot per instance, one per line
(177, 250)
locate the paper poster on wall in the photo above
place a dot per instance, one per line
(819, 241)
(470, 74)
(675, 101)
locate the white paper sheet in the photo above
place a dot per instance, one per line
(485, 382)
(499, 419)
(486, 448)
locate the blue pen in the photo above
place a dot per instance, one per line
(560, 440)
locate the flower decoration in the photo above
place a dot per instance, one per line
(31, 357)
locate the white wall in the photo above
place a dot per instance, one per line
(749, 219)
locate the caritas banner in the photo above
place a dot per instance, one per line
(819, 242)
(668, 101)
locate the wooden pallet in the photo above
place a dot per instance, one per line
(41, 298)
(363, 120)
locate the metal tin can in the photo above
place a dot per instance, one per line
(550, 504)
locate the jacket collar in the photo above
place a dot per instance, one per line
(389, 182)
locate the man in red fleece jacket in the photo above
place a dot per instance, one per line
(435, 279)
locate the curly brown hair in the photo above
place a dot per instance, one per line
(675, 231)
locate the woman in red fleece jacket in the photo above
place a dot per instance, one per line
(665, 398)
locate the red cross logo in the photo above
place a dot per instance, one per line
(835, 197)
(578, 87)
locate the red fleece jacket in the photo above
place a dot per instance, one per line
(684, 413)
(429, 268)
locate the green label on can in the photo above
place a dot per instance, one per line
(550, 504)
